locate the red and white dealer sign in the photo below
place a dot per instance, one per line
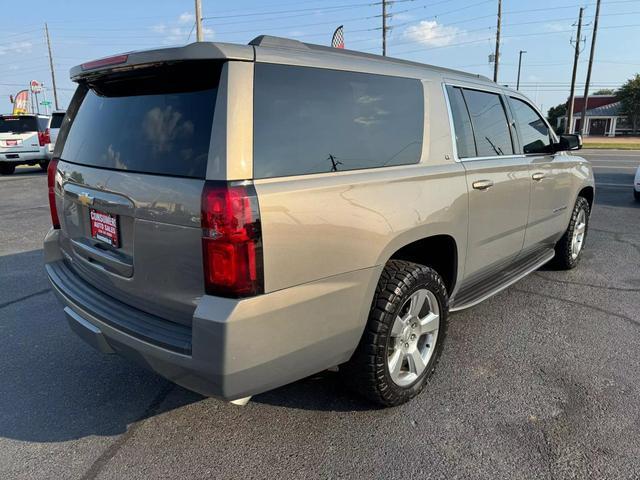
(104, 227)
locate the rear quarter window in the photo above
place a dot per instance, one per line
(156, 120)
(311, 120)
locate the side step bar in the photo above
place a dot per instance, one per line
(480, 290)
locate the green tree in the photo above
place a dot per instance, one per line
(629, 95)
(556, 112)
(605, 91)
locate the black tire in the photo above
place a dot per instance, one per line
(367, 371)
(636, 195)
(7, 168)
(564, 260)
(44, 164)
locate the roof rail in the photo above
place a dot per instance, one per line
(280, 42)
(271, 41)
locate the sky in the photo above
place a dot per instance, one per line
(451, 33)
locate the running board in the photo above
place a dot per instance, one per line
(480, 290)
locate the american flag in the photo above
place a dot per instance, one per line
(338, 38)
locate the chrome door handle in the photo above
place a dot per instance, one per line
(482, 184)
(537, 176)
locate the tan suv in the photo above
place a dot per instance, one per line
(240, 217)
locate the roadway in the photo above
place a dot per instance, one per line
(541, 381)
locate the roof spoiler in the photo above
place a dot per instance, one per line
(130, 60)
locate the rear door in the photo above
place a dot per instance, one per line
(19, 134)
(133, 160)
(497, 179)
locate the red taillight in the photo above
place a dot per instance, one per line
(105, 62)
(52, 169)
(231, 240)
(44, 138)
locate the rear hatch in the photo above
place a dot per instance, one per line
(19, 134)
(133, 157)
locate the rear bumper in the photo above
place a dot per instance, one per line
(234, 348)
(7, 156)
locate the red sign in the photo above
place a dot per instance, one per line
(104, 227)
(21, 102)
(36, 86)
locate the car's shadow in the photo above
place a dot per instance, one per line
(55, 388)
(25, 172)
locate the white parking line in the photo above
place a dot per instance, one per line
(614, 185)
(606, 167)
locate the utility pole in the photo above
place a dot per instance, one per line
(572, 93)
(519, 68)
(497, 59)
(583, 117)
(53, 74)
(199, 36)
(384, 28)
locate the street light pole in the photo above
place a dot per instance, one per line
(519, 67)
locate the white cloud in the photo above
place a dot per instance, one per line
(16, 47)
(556, 27)
(186, 17)
(432, 33)
(177, 32)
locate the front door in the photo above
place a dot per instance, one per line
(549, 177)
(597, 126)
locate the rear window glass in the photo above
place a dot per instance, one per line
(310, 120)
(157, 120)
(18, 124)
(56, 120)
(490, 125)
(465, 143)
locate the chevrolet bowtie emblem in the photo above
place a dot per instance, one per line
(85, 199)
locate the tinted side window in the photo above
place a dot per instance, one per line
(489, 123)
(311, 120)
(461, 123)
(534, 133)
(56, 120)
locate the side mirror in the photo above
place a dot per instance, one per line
(568, 142)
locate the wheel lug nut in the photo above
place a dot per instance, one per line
(414, 325)
(406, 345)
(413, 337)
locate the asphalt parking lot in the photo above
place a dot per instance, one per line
(540, 381)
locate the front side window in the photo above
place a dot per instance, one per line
(534, 133)
(312, 120)
(56, 120)
(490, 124)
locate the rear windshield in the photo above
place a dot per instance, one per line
(18, 124)
(56, 120)
(156, 120)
